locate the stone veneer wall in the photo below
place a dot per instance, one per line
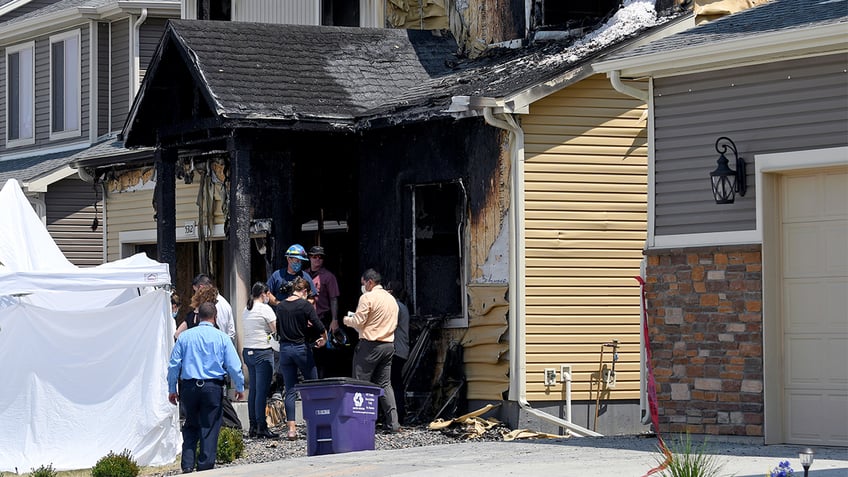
(706, 329)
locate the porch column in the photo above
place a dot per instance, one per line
(281, 182)
(164, 205)
(238, 234)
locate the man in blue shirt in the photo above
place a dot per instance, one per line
(201, 358)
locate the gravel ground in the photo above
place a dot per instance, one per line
(269, 450)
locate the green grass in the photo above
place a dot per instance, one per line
(688, 460)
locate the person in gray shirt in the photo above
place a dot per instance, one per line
(401, 348)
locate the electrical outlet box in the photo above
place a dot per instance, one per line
(565, 372)
(550, 376)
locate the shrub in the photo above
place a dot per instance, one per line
(689, 461)
(230, 445)
(116, 465)
(43, 471)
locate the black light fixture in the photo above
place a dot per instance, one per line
(806, 457)
(726, 181)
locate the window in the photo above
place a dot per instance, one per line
(340, 13)
(20, 86)
(214, 9)
(559, 15)
(65, 85)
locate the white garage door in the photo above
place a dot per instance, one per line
(814, 231)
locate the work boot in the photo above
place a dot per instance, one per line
(252, 432)
(262, 431)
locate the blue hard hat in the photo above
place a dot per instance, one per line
(297, 251)
(337, 339)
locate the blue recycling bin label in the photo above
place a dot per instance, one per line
(361, 403)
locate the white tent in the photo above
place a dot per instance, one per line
(83, 352)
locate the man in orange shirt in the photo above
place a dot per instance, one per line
(375, 320)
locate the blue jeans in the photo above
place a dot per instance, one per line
(260, 368)
(295, 357)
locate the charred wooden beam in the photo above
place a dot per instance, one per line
(238, 226)
(164, 204)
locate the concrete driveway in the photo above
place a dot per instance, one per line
(607, 456)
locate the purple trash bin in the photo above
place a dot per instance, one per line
(340, 414)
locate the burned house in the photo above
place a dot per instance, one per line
(507, 192)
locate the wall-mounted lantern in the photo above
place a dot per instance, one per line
(726, 181)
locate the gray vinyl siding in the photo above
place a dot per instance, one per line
(70, 212)
(103, 87)
(42, 92)
(120, 90)
(3, 93)
(777, 107)
(149, 36)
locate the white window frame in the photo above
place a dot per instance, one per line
(77, 93)
(25, 141)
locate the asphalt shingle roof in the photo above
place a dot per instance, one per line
(268, 70)
(775, 16)
(349, 77)
(28, 168)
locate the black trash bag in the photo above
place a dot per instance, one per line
(230, 419)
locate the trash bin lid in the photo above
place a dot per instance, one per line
(336, 382)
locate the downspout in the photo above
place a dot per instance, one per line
(645, 416)
(136, 82)
(615, 79)
(104, 221)
(517, 337)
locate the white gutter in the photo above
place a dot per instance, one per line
(615, 79)
(517, 325)
(136, 66)
(784, 45)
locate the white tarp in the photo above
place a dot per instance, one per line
(83, 352)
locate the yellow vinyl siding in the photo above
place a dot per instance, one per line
(585, 227)
(133, 211)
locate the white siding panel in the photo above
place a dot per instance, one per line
(295, 12)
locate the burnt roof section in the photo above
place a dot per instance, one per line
(772, 17)
(316, 77)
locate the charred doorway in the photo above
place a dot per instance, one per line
(438, 261)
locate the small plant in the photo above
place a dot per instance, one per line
(689, 461)
(116, 465)
(783, 469)
(230, 445)
(43, 471)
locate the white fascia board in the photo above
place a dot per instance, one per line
(77, 16)
(12, 6)
(814, 41)
(154, 9)
(41, 26)
(40, 184)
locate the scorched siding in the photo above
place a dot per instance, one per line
(585, 228)
(131, 212)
